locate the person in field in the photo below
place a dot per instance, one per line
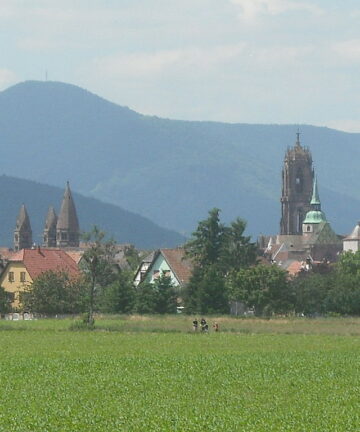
(195, 324)
(216, 326)
(203, 324)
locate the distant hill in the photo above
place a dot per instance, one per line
(170, 171)
(124, 226)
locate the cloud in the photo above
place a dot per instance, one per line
(346, 125)
(349, 50)
(154, 63)
(250, 9)
(7, 77)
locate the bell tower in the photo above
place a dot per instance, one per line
(297, 184)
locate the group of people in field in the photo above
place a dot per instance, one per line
(204, 327)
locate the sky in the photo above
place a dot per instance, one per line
(239, 61)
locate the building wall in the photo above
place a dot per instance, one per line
(141, 272)
(159, 267)
(351, 245)
(11, 280)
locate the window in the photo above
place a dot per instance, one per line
(22, 276)
(156, 274)
(11, 277)
(308, 228)
(166, 273)
(63, 236)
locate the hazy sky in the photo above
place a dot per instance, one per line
(255, 61)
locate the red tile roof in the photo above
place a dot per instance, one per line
(37, 261)
(75, 255)
(295, 267)
(6, 253)
(181, 267)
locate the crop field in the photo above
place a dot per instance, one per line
(154, 374)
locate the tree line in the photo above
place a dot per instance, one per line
(225, 270)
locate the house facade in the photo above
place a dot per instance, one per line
(167, 262)
(27, 264)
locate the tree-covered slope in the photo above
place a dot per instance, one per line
(170, 171)
(124, 226)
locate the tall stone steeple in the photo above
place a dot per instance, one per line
(49, 236)
(22, 232)
(297, 182)
(67, 227)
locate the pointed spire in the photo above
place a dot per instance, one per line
(67, 228)
(23, 221)
(68, 218)
(51, 218)
(315, 215)
(22, 232)
(49, 236)
(315, 199)
(298, 138)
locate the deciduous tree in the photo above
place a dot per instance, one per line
(263, 287)
(55, 293)
(98, 266)
(218, 251)
(119, 296)
(157, 297)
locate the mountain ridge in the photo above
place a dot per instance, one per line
(171, 171)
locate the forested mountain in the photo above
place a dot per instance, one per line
(170, 171)
(124, 226)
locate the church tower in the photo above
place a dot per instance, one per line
(315, 216)
(49, 236)
(297, 182)
(67, 227)
(23, 232)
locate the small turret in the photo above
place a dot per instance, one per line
(67, 227)
(22, 232)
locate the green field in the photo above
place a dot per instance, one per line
(154, 374)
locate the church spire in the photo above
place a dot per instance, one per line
(298, 138)
(67, 227)
(22, 232)
(315, 215)
(315, 199)
(49, 236)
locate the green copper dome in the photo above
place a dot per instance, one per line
(314, 217)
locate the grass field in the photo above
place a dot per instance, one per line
(154, 374)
